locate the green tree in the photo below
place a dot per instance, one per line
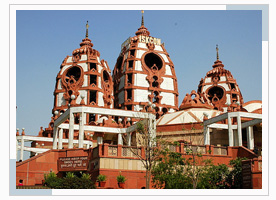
(190, 171)
(214, 177)
(235, 176)
(168, 172)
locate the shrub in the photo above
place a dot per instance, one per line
(101, 178)
(71, 181)
(121, 179)
(54, 182)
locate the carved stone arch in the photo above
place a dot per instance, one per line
(217, 96)
(71, 80)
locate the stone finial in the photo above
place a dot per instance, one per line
(17, 131)
(82, 100)
(41, 131)
(23, 131)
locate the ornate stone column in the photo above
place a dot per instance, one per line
(81, 130)
(239, 130)
(230, 132)
(71, 130)
(206, 135)
(60, 137)
(120, 139)
(250, 137)
(55, 137)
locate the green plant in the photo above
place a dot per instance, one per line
(51, 174)
(85, 176)
(121, 179)
(70, 175)
(101, 178)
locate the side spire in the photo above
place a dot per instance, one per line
(217, 63)
(87, 26)
(217, 49)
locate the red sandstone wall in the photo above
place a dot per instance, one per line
(32, 171)
(134, 179)
(257, 180)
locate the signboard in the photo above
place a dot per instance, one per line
(144, 39)
(246, 174)
(73, 163)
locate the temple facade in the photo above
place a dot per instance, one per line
(95, 114)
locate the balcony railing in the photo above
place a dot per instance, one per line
(218, 150)
(131, 152)
(112, 150)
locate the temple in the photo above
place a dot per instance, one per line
(97, 115)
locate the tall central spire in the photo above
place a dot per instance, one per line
(142, 23)
(142, 30)
(87, 26)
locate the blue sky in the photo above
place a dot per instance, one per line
(45, 38)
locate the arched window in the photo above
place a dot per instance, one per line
(153, 60)
(215, 93)
(72, 75)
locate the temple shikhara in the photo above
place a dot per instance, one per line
(97, 113)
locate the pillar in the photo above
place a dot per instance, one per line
(60, 137)
(71, 130)
(239, 130)
(120, 139)
(81, 130)
(16, 148)
(22, 148)
(55, 137)
(128, 139)
(206, 135)
(230, 132)
(250, 137)
(236, 138)
(100, 140)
